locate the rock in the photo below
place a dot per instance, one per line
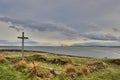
(59, 61)
(52, 71)
(115, 61)
(39, 58)
(43, 74)
(95, 66)
(13, 60)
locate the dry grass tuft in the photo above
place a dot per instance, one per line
(22, 64)
(69, 68)
(85, 70)
(70, 71)
(2, 59)
(34, 67)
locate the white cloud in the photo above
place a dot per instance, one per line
(6, 32)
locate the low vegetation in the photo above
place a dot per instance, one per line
(46, 66)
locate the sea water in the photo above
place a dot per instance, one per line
(96, 52)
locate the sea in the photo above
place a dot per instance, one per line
(95, 52)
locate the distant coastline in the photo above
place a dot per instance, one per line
(96, 46)
(62, 46)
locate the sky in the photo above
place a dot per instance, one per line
(60, 22)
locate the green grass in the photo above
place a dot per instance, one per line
(9, 71)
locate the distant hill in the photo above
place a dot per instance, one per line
(95, 44)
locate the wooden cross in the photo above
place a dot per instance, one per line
(23, 44)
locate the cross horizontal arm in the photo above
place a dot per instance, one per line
(23, 37)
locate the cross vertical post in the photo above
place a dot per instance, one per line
(23, 44)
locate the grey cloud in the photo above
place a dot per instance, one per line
(6, 42)
(96, 36)
(31, 42)
(57, 30)
(65, 31)
(94, 27)
(45, 26)
(16, 28)
(115, 29)
(3, 41)
(13, 21)
(18, 42)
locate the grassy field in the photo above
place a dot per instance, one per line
(46, 66)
